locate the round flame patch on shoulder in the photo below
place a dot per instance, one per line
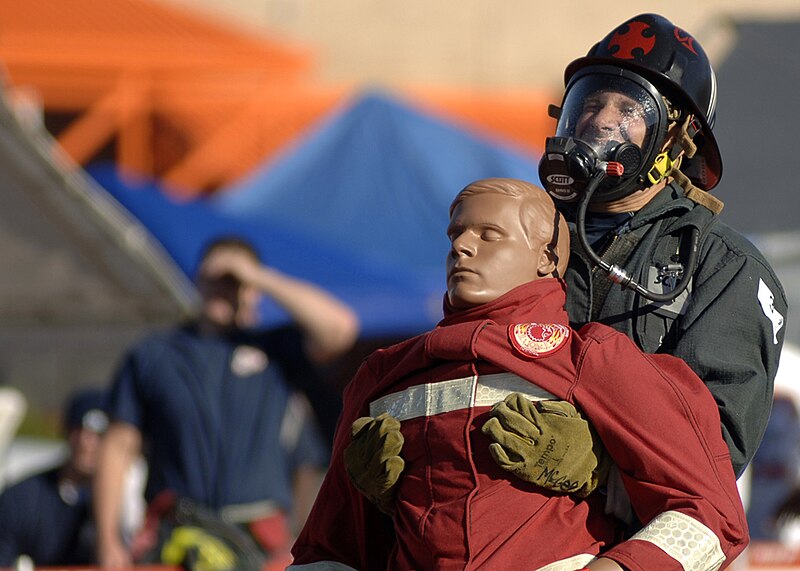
(538, 339)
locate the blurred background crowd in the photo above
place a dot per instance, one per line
(331, 136)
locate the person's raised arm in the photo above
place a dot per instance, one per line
(121, 446)
(329, 325)
(305, 486)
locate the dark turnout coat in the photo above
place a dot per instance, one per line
(728, 325)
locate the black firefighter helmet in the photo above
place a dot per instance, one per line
(644, 58)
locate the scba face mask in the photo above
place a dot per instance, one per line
(610, 119)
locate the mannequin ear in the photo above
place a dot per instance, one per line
(547, 263)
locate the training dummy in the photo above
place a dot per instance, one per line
(442, 488)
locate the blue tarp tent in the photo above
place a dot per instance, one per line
(359, 206)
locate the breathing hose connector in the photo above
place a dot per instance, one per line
(615, 273)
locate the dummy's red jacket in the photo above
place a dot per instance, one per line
(456, 509)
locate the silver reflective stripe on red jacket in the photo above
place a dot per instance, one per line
(455, 394)
(685, 539)
(321, 566)
(569, 564)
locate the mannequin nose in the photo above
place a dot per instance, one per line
(462, 247)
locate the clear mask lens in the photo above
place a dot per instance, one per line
(605, 111)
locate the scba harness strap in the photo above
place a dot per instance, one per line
(672, 164)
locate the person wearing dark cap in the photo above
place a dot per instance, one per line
(48, 516)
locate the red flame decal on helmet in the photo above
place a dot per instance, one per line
(685, 39)
(632, 39)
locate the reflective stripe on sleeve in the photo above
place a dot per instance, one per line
(685, 539)
(569, 564)
(321, 566)
(455, 394)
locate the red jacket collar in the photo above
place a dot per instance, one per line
(540, 300)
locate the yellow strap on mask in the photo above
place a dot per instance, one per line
(661, 168)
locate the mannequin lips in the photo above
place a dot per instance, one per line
(459, 270)
(461, 276)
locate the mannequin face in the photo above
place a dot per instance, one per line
(490, 250)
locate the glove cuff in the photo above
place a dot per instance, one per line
(600, 472)
(385, 504)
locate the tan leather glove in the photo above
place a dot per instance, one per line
(547, 443)
(373, 460)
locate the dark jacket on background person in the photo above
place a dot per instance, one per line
(46, 521)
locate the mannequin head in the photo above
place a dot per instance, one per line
(503, 233)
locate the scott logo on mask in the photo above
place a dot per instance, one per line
(560, 180)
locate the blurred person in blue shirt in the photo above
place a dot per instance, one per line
(48, 516)
(217, 408)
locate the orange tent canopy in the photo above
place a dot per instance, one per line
(133, 73)
(93, 37)
(518, 116)
(194, 103)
